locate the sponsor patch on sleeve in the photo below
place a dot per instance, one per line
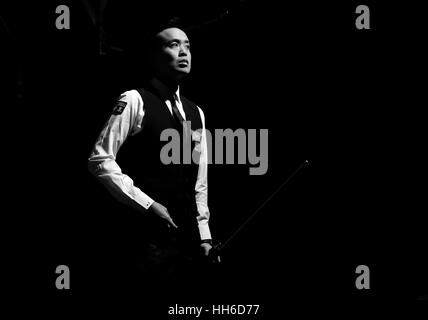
(119, 107)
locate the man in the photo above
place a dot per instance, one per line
(172, 198)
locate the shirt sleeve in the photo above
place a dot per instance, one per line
(201, 186)
(125, 120)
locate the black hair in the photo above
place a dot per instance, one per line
(162, 24)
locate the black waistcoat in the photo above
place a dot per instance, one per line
(171, 185)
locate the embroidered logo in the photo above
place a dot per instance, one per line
(119, 107)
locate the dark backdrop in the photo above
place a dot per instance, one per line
(348, 101)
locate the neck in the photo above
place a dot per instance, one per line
(171, 84)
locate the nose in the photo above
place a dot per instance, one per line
(183, 51)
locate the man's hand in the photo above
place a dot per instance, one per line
(207, 248)
(162, 212)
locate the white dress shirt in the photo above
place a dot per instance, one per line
(102, 161)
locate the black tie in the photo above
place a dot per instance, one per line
(178, 117)
(175, 112)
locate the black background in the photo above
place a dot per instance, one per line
(349, 101)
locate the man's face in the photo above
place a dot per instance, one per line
(173, 59)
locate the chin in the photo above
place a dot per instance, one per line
(183, 72)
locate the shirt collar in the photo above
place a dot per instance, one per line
(163, 90)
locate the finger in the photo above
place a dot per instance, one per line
(172, 223)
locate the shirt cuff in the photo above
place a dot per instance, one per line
(144, 200)
(204, 231)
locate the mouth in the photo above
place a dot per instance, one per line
(183, 63)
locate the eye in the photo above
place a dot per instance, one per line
(173, 45)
